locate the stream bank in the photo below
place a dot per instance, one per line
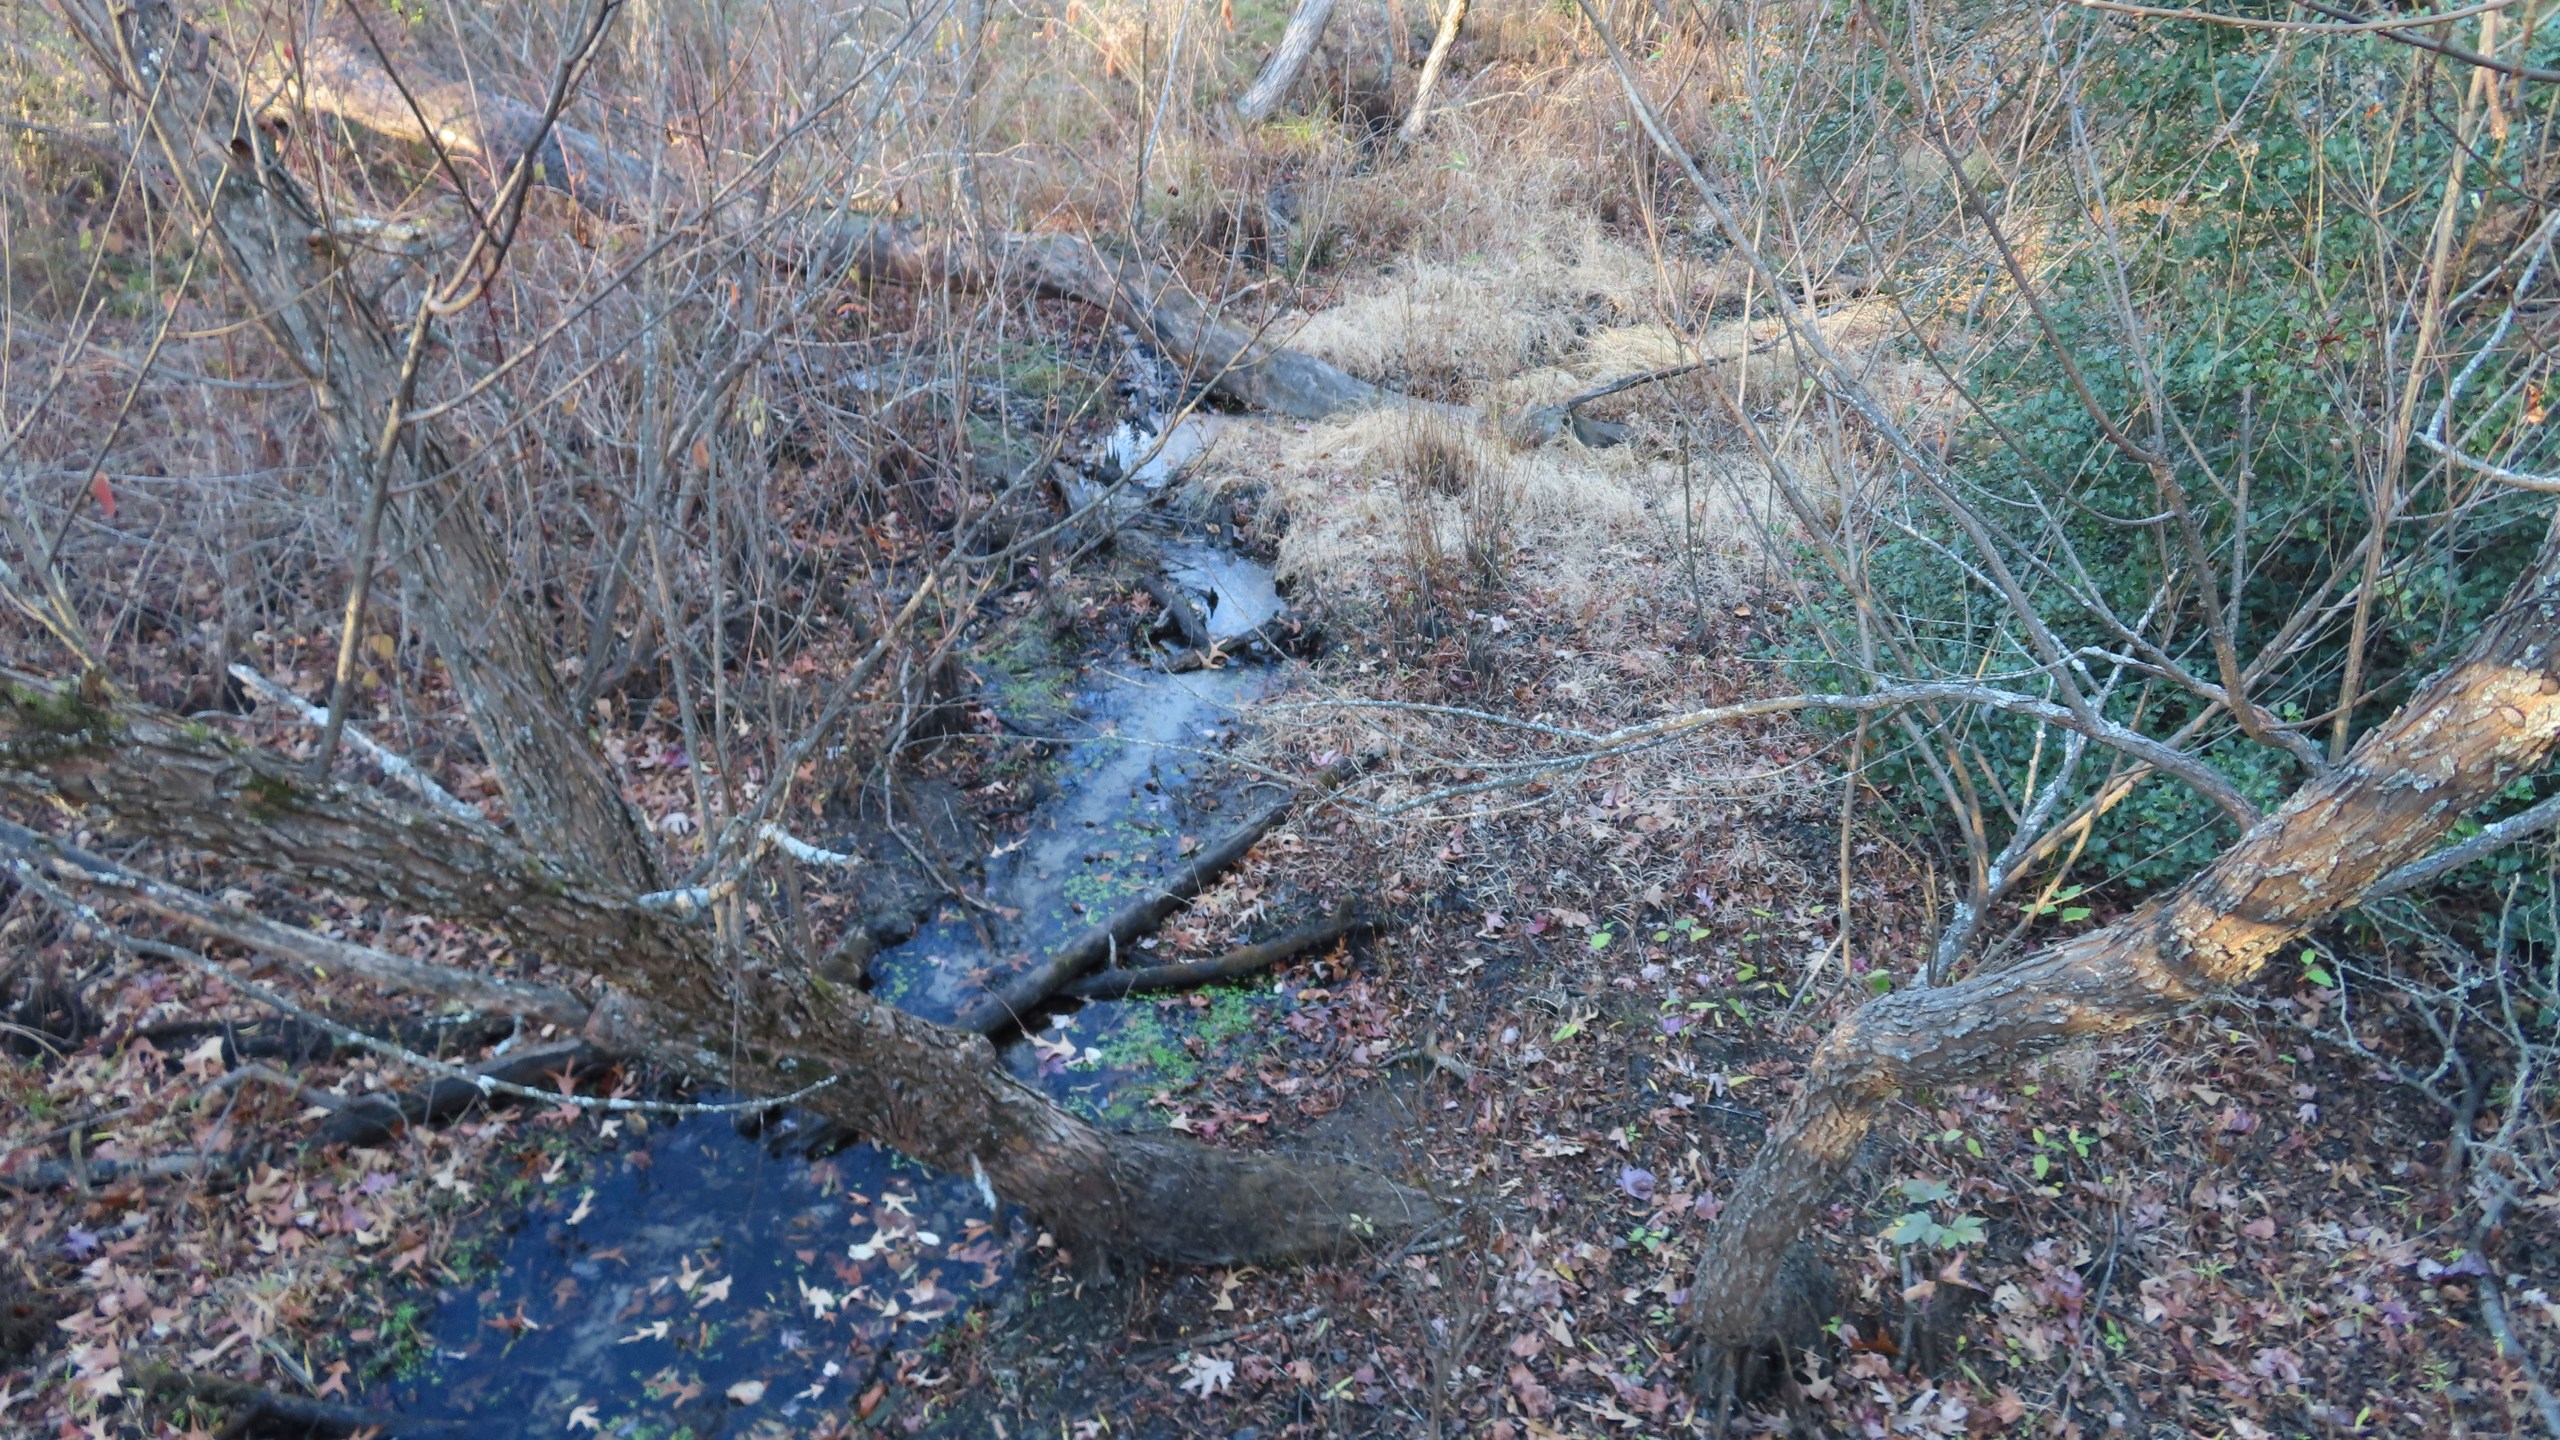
(699, 1276)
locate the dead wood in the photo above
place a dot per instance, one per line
(376, 1118)
(254, 1403)
(342, 79)
(1181, 609)
(1006, 1007)
(2490, 717)
(87, 1174)
(1452, 20)
(338, 76)
(1235, 964)
(567, 882)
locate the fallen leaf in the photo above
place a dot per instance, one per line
(1208, 1375)
(746, 1392)
(584, 1418)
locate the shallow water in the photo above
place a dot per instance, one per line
(691, 1259)
(1132, 449)
(1110, 831)
(705, 1285)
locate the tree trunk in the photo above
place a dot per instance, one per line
(1280, 75)
(1419, 119)
(759, 1023)
(269, 240)
(2494, 715)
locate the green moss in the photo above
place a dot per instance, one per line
(269, 795)
(58, 711)
(1027, 679)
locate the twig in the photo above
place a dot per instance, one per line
(2520, 826)
(1214, 1337)
(28, 875)
(2493, 1318)
(391, 763)
(30, 852)
(2204, 779)
(82, 1174)
(1548, 421)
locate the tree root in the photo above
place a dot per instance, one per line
(376, 1118)
(1241, 961)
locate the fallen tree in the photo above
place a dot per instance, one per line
(333, 75)
(2491, 717)
(569, 881)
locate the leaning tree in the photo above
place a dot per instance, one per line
(2164, 579)
(412, 425)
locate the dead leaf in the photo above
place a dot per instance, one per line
(1208, 1375)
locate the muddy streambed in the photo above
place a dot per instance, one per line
(660, 1278)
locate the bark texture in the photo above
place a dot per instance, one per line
(1280, 75)
(2493, 715)
(1418, 119)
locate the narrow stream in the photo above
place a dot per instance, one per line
(684, 1278)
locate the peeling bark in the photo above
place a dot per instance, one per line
(2492, 716)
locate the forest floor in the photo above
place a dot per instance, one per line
(1589, 999)
(1586, 1007)
(1591, 1008)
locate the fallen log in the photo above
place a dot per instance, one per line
(1004, 1008)
(1181, 609)
(338, 77)
(1244, 960)
(74, 1174)
(255, 1403)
